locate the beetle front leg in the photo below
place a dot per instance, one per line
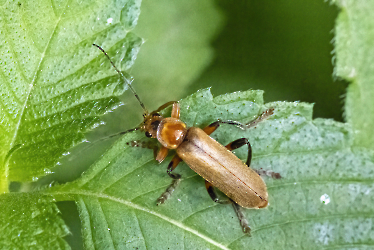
(145, 144)
(162, 153)
(172, 165)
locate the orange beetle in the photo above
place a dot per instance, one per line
(214, 162)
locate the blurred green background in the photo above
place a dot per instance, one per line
(282, 47)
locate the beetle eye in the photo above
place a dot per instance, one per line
(148, 134)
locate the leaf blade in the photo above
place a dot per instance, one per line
(320, 191)
(30, 220)
(61, 87)
(354, 52)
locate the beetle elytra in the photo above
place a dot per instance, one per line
(214, 162)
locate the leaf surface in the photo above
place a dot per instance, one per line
(54, 87)
(354, 62)
(320, 202)
(31, 221)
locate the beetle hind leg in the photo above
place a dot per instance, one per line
(269, 173)
(242, 219)
(213, 195)
(241, 142)
(238, 210)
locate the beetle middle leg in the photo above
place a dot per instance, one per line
(172, 165)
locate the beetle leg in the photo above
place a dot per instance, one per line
(161, 155)
(238, 210)
(212, 193)
(166, 195)
(211, 127)
(266, 114)
(145, 144)
(239, 143)
(269, 173)
(243, 220)
(172, 165)
(163, 107)
(175, 112)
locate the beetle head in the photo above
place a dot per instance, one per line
(150, 124)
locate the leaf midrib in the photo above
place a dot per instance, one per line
(31, 86)
(143, 209)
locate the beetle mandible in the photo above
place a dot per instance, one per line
(214, 162)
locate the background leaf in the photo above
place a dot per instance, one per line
(324, 199)
(31, 221)
(321, 201)
(354, 52)
(53, 87)
(177, 47)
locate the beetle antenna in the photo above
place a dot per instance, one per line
(114, 135)
(123, 78)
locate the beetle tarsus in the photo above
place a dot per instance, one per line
(266, 114)
(269, 173)
(242, 219)
(166, 195)
(144, 144)
(275, 175)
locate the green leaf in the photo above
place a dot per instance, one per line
(321, 201)
(54, 84)
(324, 199)
(177, 47)
(354, 62)
(31, 221)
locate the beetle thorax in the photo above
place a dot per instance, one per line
(171, 132)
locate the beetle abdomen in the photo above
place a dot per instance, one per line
(223, 169)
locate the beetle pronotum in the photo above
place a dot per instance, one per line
(214, 162)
